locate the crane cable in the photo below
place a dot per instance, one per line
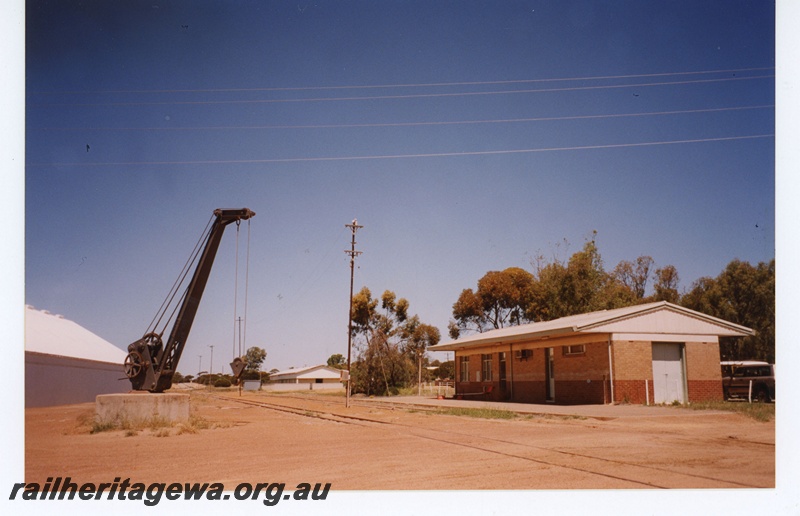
(242, 334)
(162, 310)
(236, 290)
(246, 282)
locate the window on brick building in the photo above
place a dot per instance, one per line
(464, 369)
(486, 368)
(579, 349)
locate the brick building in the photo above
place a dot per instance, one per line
(651, 353)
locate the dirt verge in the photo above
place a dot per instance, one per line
(366, 447)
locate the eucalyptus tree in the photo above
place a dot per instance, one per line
(388, 341)
(743, 294)
(253, 359)
(634, 275)
(666, 286)
(577, 286)
(502, 299)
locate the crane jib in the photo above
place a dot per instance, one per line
(151, 362)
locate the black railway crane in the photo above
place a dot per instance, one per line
(150, 363)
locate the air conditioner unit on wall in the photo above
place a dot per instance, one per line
(523, 354)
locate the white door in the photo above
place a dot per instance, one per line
(667, 373)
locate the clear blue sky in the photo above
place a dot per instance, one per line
(464, 136)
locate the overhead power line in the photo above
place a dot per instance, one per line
(399, 97)
(406, 156)
(409, 85)
(408, 124)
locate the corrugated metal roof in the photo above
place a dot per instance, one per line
(53, 335)
(656, 318)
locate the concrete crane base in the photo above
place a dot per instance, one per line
(135, 409)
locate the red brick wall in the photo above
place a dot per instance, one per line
(632, 391)
(704, 377)
(477, 390)
(529, 369)
(584, 378)
(591, 365)
(580, 379)
(529, 392)
(633, 360)
(528, 375)
(702, 361)
(633, 364)
(705, 390)
(580, 393)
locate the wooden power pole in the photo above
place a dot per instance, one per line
(353, 253)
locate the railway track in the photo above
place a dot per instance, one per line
(631, 473)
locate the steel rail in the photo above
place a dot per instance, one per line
(446, 438)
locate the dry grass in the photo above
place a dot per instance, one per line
(157, 427)
(483, 413)
(763, 412)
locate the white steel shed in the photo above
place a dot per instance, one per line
(66, 363)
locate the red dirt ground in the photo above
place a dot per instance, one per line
(401, 449)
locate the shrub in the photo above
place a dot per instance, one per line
(222, 382)
(98, 427)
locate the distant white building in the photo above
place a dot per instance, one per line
(314, 377)
(66, 363)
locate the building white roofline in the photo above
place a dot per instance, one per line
(50, 334)
(302, 371)
(620, 320)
